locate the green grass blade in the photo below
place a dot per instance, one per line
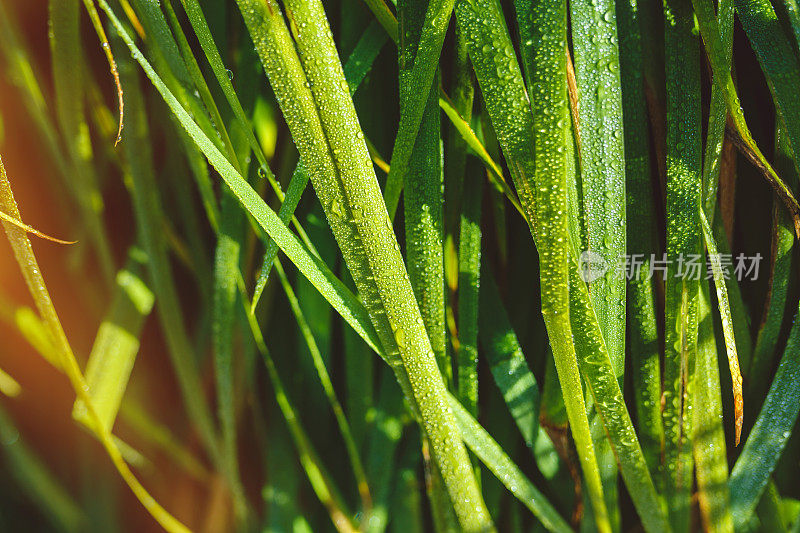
(423, 203)
(769, 330)
(717, 110)
(598, 372)
(768, 438)
(641, 239)
(684, 241)
(321, 481)
(420, 81)
(226, 268)
(327, 385)
(709, 434)
(387, 430)
(539, 175)
(65, 46)
(196, 18)
(602, 154)
(727, 326)
(117, 343)
(35, 479)
(469, 265)
(507, 362)
(493, 456)
(468, 136)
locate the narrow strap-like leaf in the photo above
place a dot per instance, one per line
(496, 460)
(709, 434)
(641, 239)
(684, 242)
(117, 343)
(534, 147)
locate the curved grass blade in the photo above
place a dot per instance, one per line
(23, 252)
(709, 434)
(91, 9)
(116, 345)
(533, 145)
(779, 65)
(493, 456)
(727, 326)
(355, 69)
(778, 62)
(684, 241)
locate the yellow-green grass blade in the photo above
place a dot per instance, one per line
(117, 343)
(709, 435)
(727, 327)
(26, 259)
(684, 242)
